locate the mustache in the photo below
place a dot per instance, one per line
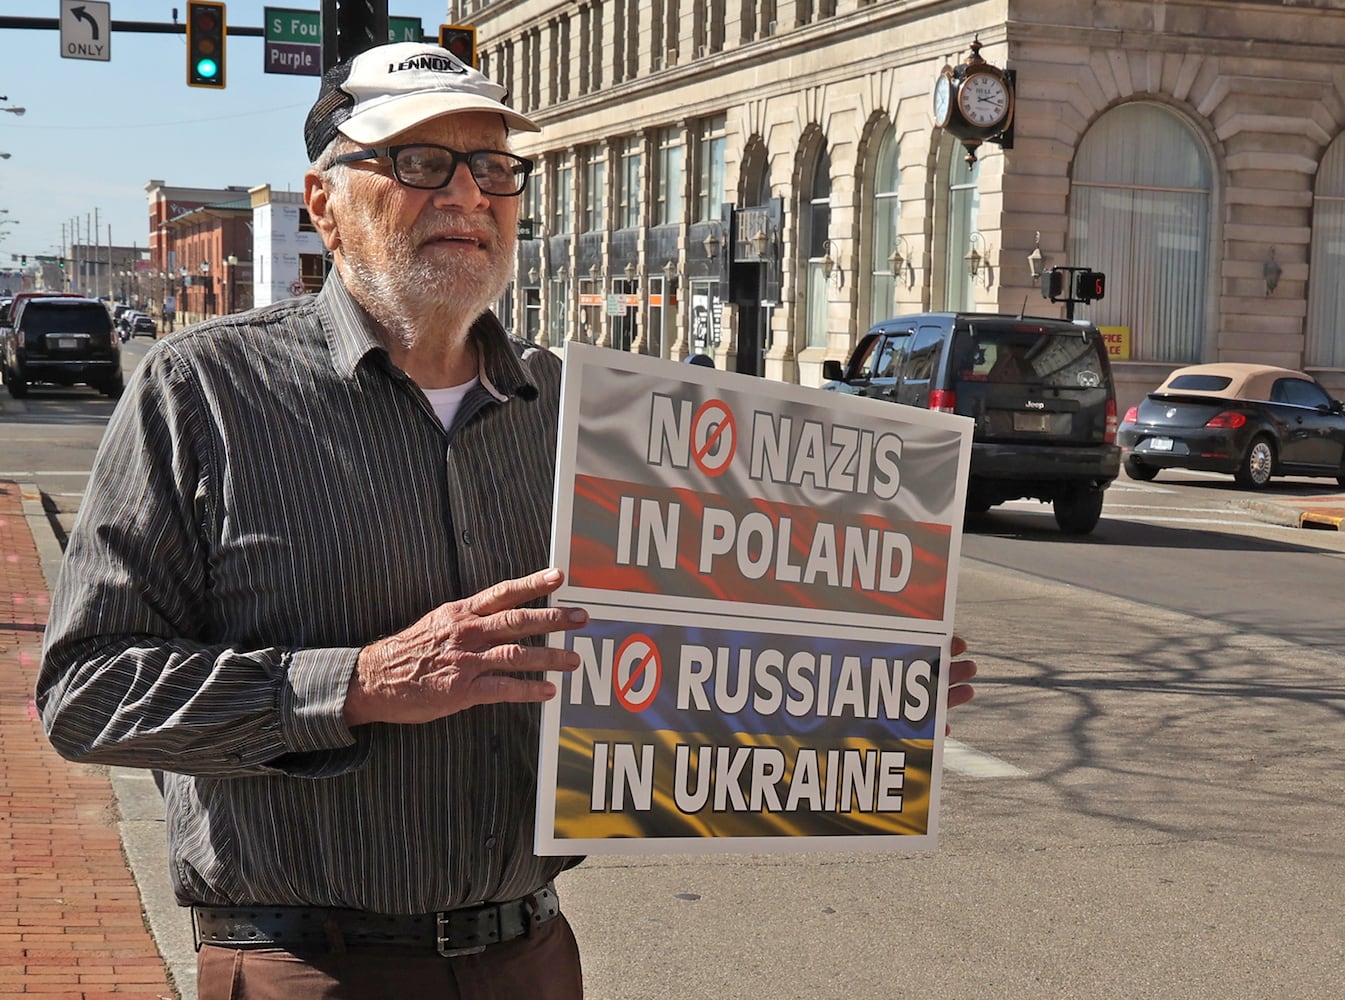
(443, 224)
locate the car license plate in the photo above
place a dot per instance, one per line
(1160, 444)
(1031, 422)
(67, 343)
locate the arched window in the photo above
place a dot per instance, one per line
(886, 219)
(817, 223)
(1139, 211)
(1326, 292)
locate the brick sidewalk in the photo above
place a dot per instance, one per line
(71, 923)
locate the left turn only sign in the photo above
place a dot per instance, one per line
(86, 29)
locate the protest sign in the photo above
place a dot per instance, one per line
(771, 575)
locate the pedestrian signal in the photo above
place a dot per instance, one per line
(1089, 285)
(205, 44)
(1052, 284)
(459, 39)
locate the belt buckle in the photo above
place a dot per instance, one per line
(443, 936)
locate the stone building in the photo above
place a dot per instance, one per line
(764, 178)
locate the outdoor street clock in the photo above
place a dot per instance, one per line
(974, 102)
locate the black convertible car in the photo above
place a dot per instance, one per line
(1254, 421)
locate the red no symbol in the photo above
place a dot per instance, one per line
(714, 437)
(637, 673)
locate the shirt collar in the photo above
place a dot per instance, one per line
(352, 335)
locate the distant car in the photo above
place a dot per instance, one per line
(1253, 421)
(138, 323)
(62, 340)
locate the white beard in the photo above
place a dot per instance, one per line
(414, 298)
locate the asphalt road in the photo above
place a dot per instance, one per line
(1144, 801)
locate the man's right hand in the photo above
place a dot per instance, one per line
(461, 654)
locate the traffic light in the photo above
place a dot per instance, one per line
(23, 260)
(1052, 284)
(1089, 285)
(460, 39)
(61, 262)
(205, 44)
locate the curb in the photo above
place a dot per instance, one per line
(1320, 520)
(1297, 514)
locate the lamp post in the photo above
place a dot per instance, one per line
(232, 265)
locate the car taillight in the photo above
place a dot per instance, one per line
(1227, 420)
(1132, 415)
(1109, 435)
(942, 400)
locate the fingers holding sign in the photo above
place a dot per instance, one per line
(462, 654)
(960, 673)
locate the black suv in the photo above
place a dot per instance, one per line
(63, 340)
(1040, 391)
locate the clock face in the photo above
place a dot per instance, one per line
(983, 99)
(943, 99)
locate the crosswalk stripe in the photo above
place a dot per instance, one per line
(959, 757)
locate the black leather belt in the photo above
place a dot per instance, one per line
(450, 932)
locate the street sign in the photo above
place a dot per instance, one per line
(86, 30)
(404, 29)
(294, 39)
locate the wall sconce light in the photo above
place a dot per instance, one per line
(532, 275)
(670, 269)
(899, 263)
(1271, 271)
(978, 263)
(594, 270)
(1036, 260)
(205, 267)
(761, 242)
(561, 274)
(830, 265)
(711, 244)
(630, 271)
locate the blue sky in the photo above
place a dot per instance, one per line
(95, 132)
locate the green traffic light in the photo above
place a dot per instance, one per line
(207, 69)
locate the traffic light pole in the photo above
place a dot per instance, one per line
(350, 27)
(1071, 285)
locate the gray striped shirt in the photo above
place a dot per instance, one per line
(271, 495)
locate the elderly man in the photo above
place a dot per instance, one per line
(308, 580)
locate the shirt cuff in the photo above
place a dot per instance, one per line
(313, 699)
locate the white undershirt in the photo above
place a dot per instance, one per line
(447, 401)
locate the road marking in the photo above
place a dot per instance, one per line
(963, 759)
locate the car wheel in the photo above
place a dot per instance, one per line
(1078, 510)
(1139, 471)
(16, 384)
(1256, 466)
(112, 387)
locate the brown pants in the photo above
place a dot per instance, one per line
(543, 966)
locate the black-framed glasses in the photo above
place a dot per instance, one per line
(430, 167)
